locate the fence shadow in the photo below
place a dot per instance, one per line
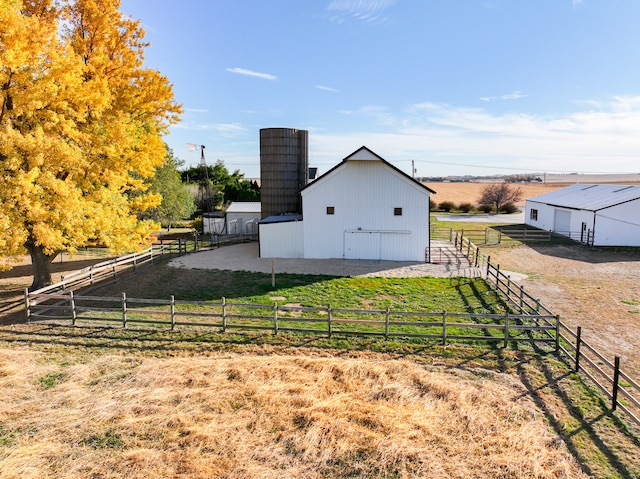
(586, 425)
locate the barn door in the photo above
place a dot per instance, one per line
(562, 222)
(361, 245)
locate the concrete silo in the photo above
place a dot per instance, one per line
(284, 169)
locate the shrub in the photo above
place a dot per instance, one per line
(465, 207)
(432, 205)
(486, 208)
(446, 206)
(197, 225)
(509, 208)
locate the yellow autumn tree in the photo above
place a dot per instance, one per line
(81, 127)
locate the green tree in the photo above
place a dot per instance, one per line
(499, 194)
(219, 187)
(177, 201)
(81, 125)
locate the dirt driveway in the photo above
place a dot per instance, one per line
(244, 257)
(596, 288)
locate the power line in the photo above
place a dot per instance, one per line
(521, 169)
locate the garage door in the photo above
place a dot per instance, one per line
(362, 245)
(562, 223)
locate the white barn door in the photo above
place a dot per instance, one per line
(361, 245)
(562, 222)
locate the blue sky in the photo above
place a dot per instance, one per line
(457, 86)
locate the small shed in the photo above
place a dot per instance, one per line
(594, 214)
(242, 217)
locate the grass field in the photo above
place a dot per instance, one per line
(107, 402)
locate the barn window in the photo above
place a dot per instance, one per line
(533, 215)
(397, 211)
(330, 210)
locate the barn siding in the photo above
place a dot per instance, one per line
(618, 225)
(237, 223)
(364, 195)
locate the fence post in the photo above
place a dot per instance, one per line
(124, 310)
(488, 265)
(329, 326)
(173, 312)
(477, 256)
(444, 327)
(275, 318)
(72, 305)
(386, 324)
(578, 341)
(499, 237)
(506, 330)
(616, 380)
(486, 235)
(224, 314)
(27, 304)
(557, 333)
(521, 298)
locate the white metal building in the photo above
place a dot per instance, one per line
(600, 215)
(363, 208)
(242, 217)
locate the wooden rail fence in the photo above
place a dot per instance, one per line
(619, 387)
(533, 322)
(171, 313)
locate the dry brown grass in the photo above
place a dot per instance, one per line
(268, 416)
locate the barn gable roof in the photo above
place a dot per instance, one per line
(590, 197)
(365, 154)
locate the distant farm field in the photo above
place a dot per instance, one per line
(469, 192)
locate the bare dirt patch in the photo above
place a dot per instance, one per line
(596, 288)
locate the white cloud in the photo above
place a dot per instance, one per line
(514, 95)
(327, 88)
(225, 128)
(602, 139)
(196, 110)
(244, 71)
(370, 11)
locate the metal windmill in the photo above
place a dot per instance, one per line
(205, 196)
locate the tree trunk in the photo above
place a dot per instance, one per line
(40, 265)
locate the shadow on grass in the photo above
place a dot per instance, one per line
(601, 442)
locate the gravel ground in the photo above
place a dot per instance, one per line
(244, 257)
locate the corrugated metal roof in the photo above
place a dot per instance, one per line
(589, 197)
(244, 207)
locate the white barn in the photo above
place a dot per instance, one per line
(363, 208)
(599, 215)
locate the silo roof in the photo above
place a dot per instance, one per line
(589, 197)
